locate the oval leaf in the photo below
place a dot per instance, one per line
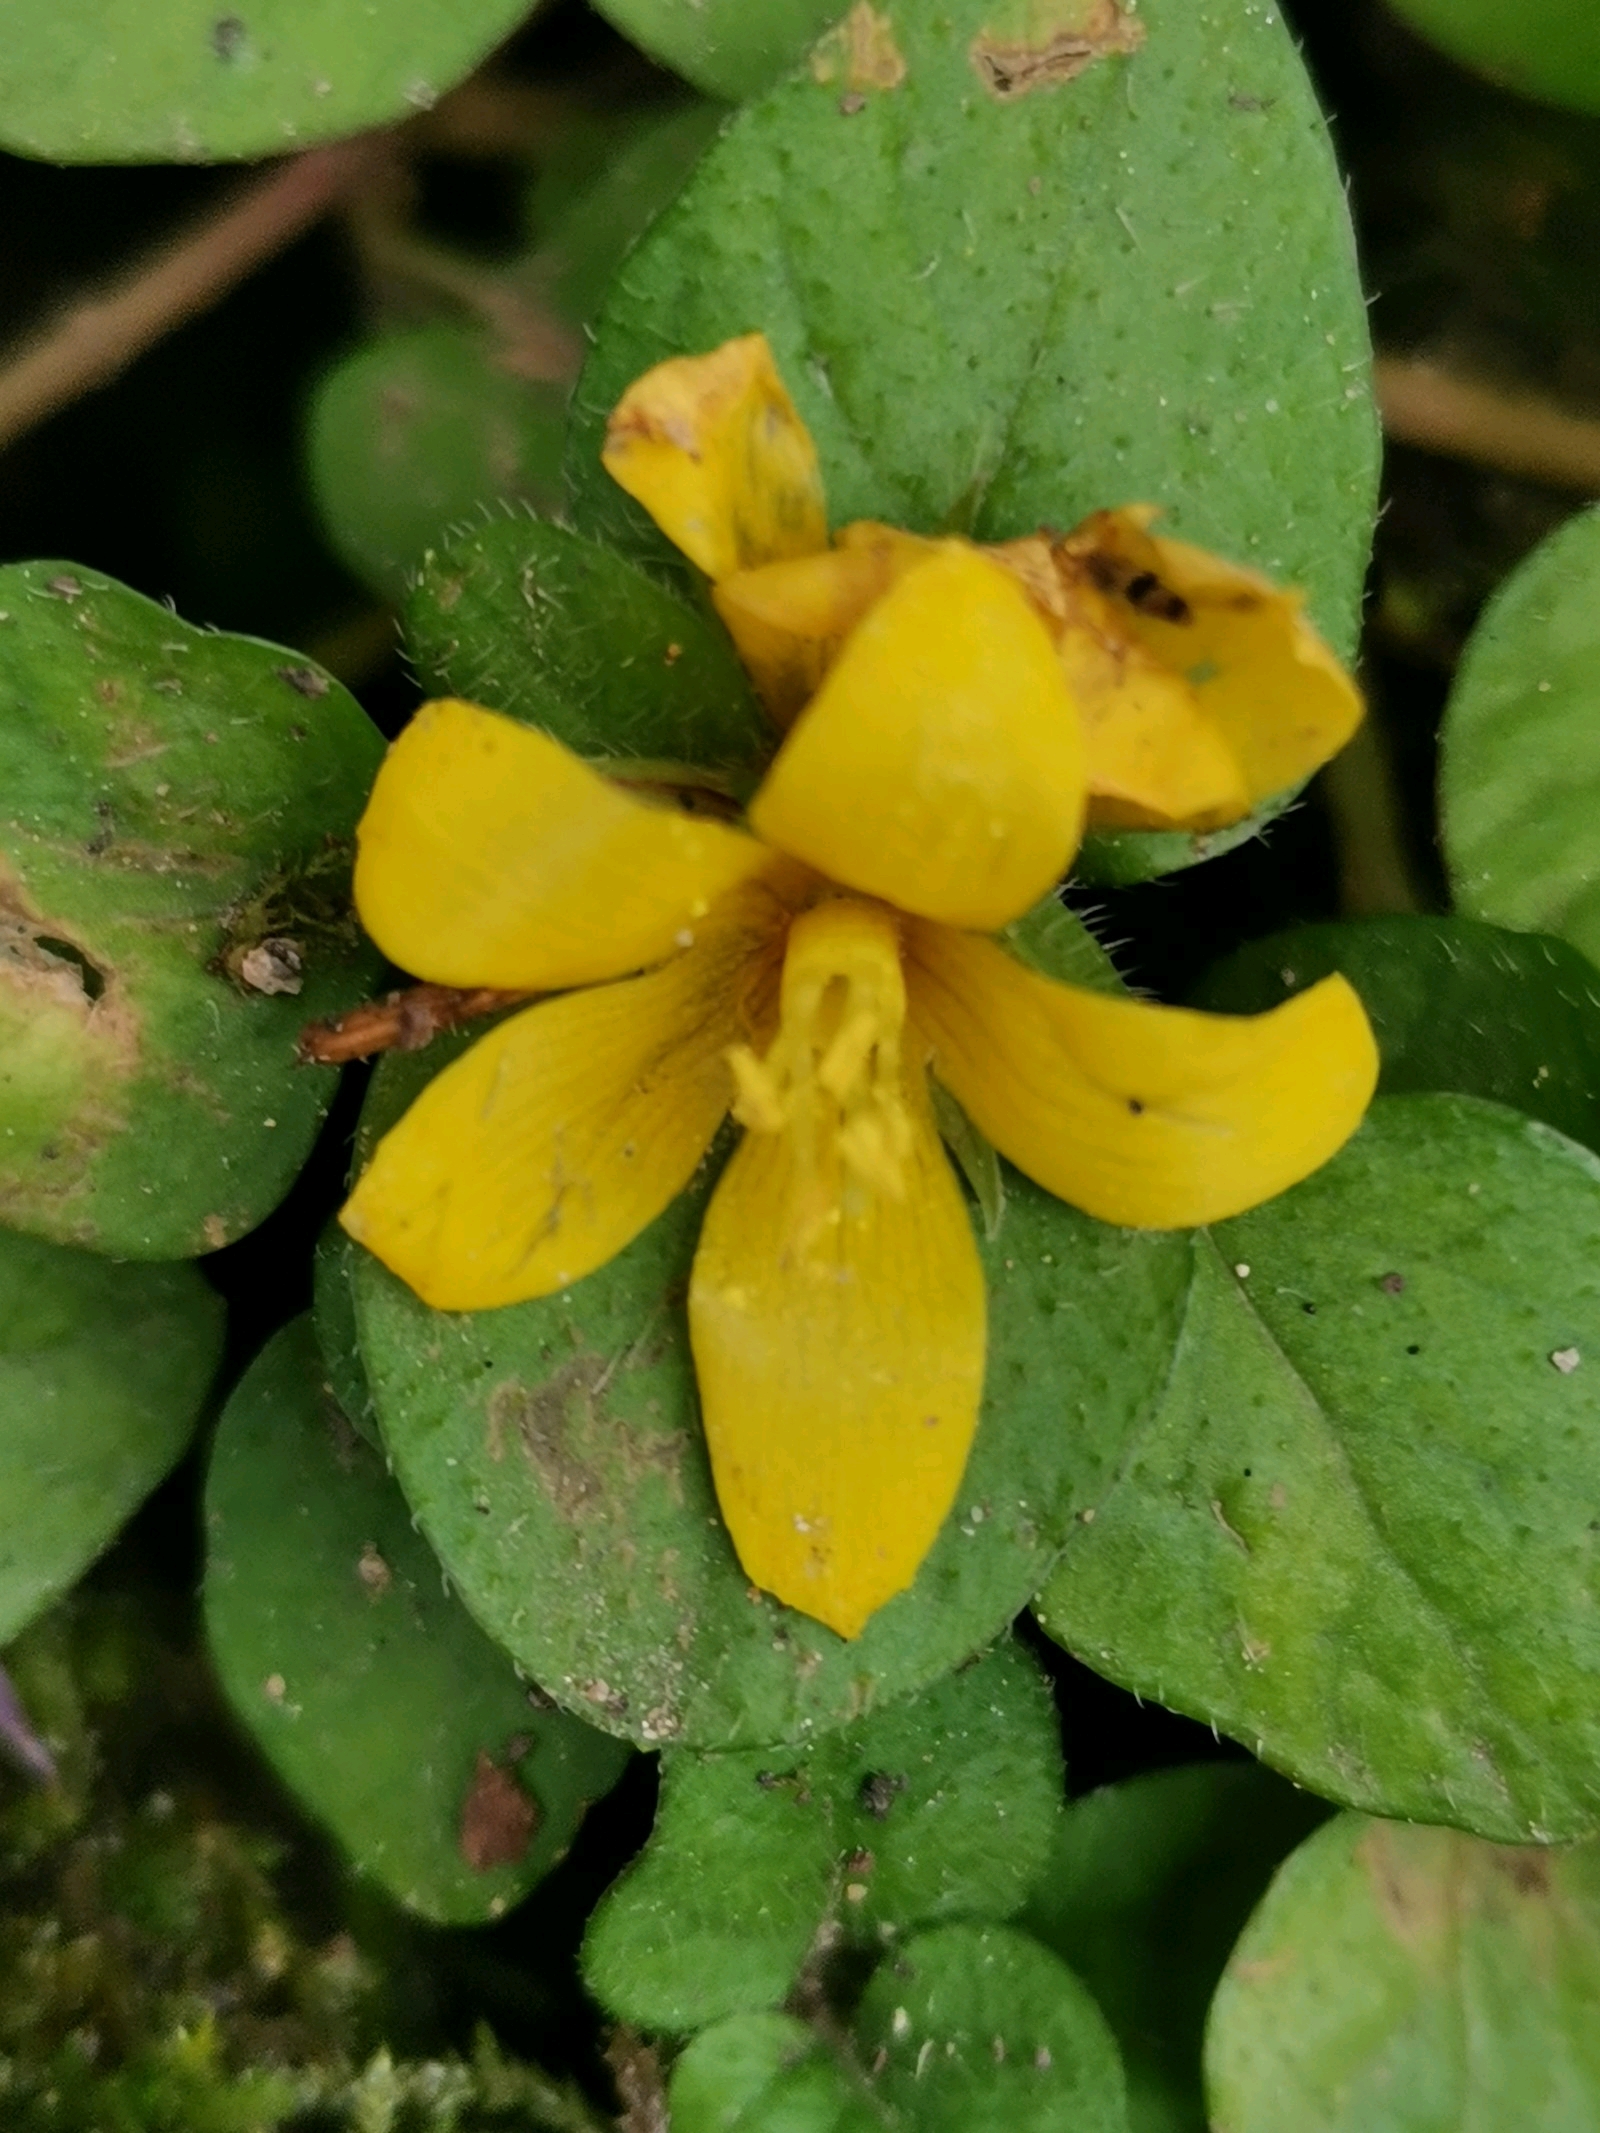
(413, 432)
(104, 1371)
(368, 1687)
(1454, 1004)
(552, 1452)
(175, 810)
(1413, 1981)
(977, 2029)
(527, 618)
(756, 2073)
(1544, 48)
(973, 235)
(1519, 770)
(940, 1806)
(1359, 1532)
(1147, 1888)
(728, 48)
(333, 1317)
(187, 81)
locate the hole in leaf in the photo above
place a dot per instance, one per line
(90, 976)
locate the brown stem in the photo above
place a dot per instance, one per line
(402, 1022)
(100, 333)
(533, 342)
(1441, 411)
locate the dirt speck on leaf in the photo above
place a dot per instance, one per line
(498, 1819)
(860, 52)
(1062, 39)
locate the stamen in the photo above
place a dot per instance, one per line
(832, 1076)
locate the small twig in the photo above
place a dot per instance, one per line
(401, 1022)
(18, 1737)
(641, 2090)
(533, 342)
(100, 334)
(1440, 410)
(492, 115)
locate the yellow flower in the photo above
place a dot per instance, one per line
(1202, 688)
(808, 971)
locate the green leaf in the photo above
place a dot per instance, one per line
(983, 2031)
(371, 1691)
(187, 81)
(942, 1806)
(104, 1371)
(1056, 942)
(977, 1159)
(552, 1452)
(527, 618)
(1544, 48)
(766, 2073)
(333, 1313)
(583, 241)
(1358, 1533)
(1413, 1981)
(728, 48)
(413, 432)
(174, 806)
(1519, 770)
(1147, 1889)
(998, 312)
(1454, 1004)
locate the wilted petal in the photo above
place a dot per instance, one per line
(490, 855)
(1152, 1117)
(940, 765)
(714, 449)
(1261, 675)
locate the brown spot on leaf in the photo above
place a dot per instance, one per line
(588, 1459)
(860, 52)
(1527, 1871)
(1062, 38)
(305, 681)
(498, 1819)
(1412, 1882)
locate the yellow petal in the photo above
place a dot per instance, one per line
(840, 1371)
(714, 449)
(1261, 675)
(489, 855)
(1152, 1117)
(1155, 760)
(541, 1152)
(788, 620)
(940, 765)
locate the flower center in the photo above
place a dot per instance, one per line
(832, 1077)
